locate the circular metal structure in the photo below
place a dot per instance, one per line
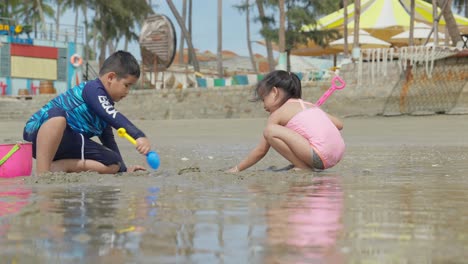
(158, 42)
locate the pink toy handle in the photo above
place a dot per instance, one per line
(337, 84)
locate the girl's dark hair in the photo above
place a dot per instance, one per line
(287, 81)
(122, 63)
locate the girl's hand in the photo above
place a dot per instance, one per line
(143, 145)
(233, 170)
(135, 168)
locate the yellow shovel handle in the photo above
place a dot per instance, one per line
(123, 133)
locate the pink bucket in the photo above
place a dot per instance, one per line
(15, 160)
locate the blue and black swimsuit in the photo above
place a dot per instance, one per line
(89, 112)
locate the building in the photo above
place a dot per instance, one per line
(47, 56)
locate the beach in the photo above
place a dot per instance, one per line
(398, 195)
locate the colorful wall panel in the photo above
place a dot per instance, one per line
(34, 51)
(34, 68)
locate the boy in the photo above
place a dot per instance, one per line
(61, 130)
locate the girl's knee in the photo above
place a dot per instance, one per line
(268, 132)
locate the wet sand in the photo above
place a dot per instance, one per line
(399, 195)
(216, 144)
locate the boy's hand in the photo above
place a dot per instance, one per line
(134, 168)
(143, 145)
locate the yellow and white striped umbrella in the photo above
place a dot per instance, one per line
(420, 34)
(382, 18)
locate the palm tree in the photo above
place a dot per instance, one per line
(220, 39)
(357, 18)
(12, 9)
(282, 36)
(61, 7)
(246, 7)
(191, 54)
(35, 10)
(452, 26)
(266, 27)
(345, 30)
(113, 19)
(435, 24)
(188, 37)
(411, 28)
(181, 44)
(78, 5)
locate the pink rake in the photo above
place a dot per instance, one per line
(336, 84)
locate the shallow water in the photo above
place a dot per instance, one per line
(398, 196)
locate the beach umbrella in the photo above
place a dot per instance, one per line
(381, 18)
(309, 49)
(420, 34)
(366, 41)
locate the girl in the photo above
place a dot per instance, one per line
(300, 131)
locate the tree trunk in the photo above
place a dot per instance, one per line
(111, 46)
(182, 41)
(435, 24)
(41, 15)
(190, 55)
(411, 28)
(57, 19)
(188, 37)
(357, 18)
(282, 28)
(86, 49)
(283, 56)
(220, 39)
(452, 27)
(95, 40)
(269, 47)
(76, 25)
(249, 42)
(103, 43)
(345, 30)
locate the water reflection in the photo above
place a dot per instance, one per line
(304, 227)
(290, 222)
(407, 206)
(77, 225)
(13, 196)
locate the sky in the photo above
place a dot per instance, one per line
(204, 26)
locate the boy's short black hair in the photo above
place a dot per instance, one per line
(122, 63)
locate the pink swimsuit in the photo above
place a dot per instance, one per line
(324, 138)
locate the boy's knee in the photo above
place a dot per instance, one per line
(58, 122)
(113, 161)
(111, 169)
